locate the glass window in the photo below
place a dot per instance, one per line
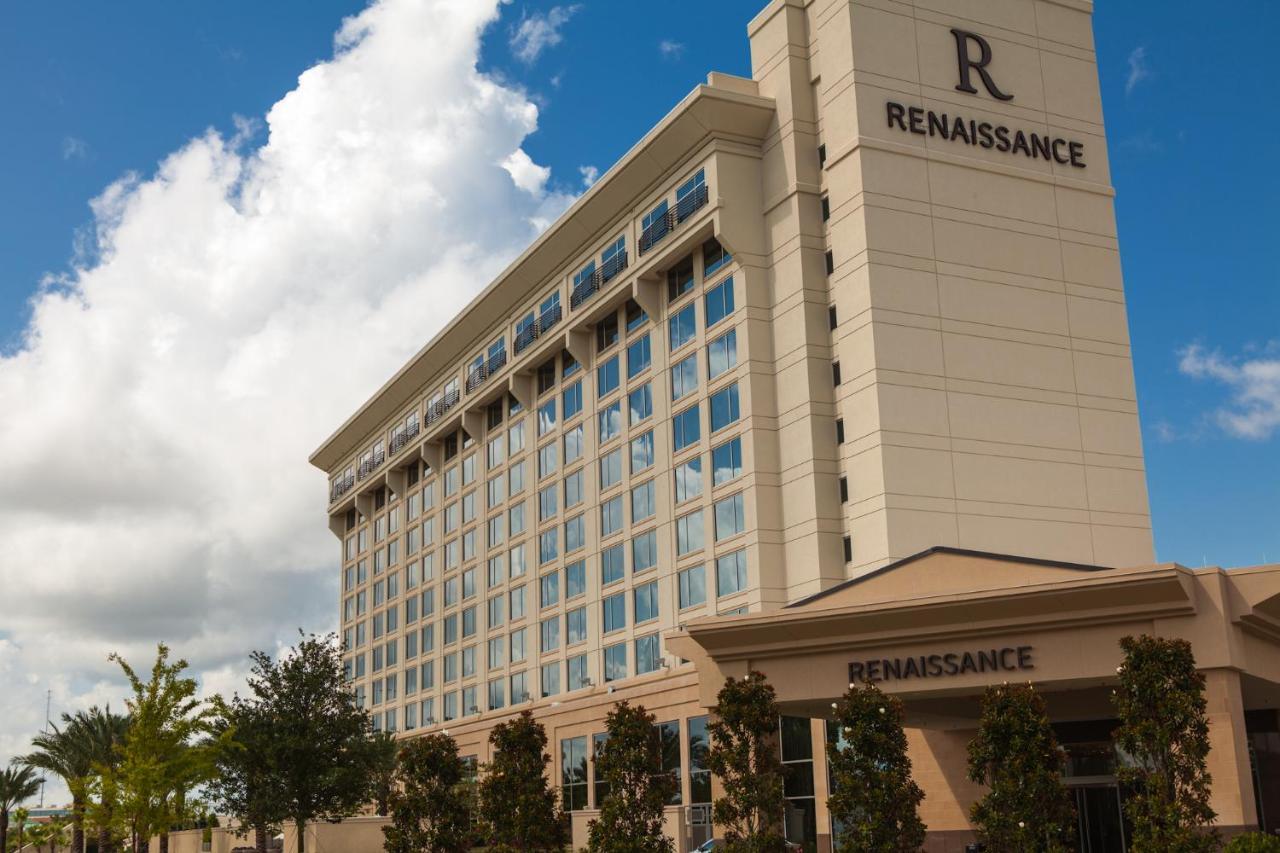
(689, 533)
(644, 551)
(516, 476)
(516, 561)
(636, 317)
(642, 502)
(714, 257)
(612, 565)
(684, 377)
(469, 622)
(575, 579)
(549, 590)
(613, 612)
(645, 602)
(724, 407)
(518, 650)
(730, 517)
(497, 652)
(722, 353)
(550, 679)
(573, 444)
(607, 378)
(731, 573)
(546, 460)
(611, 516)
(699, 772)
(575, 534)
(610, 421)
(550, 634)
(575, 624)
(515, 519)
(610, 469)
(680, 279)
(496, 611)
(639, 356)
(642, 451)
(515, 438)
(682, 326)
(649, 659)
(573, 489)
(515, 600)
(640, 402)
(606, 332)
(572, 400)
(615, 662)
(688, 479)
(495, 451)
(496, 490)
(576, 669)
(693, 586)
(686, 428)
(573, 769)
(726, 461)
(719, 302)
(548, 499)
(548, 546)
(546, 376)
(497, 698)
(519, 687)
(570, 364)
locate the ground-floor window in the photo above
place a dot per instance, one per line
(573, 773)
(801, 818)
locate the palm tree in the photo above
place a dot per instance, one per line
(68, 754)
(104, 733)
(20, 818)
(18, 783)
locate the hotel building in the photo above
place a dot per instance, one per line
(776, 391)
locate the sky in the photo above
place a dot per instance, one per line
(222, 224)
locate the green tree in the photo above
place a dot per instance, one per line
(874, 796)
(243, 785)
(21, 817)
(518, 806)
(68, 753)
(744, 755)
(320, 754)
(1015, 754)
(1254, 842)
(430, 804)
(18, 783)
(161, 761)
(104, 733)
(385, 751)
(630, 762)
(1165, 732)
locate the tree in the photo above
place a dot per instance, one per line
(20, 818)
(67, 753)
(744, 756)
(1015, 754)
(518, 806)
(161, 762)
(630, 762)
(18, 783)
(320, 754)
(385, 749)
(430, 806)
(104, 733)
(874, 797)
(1165, 732)
(243, 785)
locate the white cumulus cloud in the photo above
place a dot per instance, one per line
(227, 313)
(1254, 384)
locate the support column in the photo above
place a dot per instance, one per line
(1232, 790)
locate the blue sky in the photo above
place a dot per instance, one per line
(91, 91)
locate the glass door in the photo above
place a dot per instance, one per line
(1100, 821)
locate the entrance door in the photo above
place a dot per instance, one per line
(1100, 824)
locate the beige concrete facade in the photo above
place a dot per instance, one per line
(808, 326)
(1056, 625)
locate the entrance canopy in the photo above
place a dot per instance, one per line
(939, 627)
